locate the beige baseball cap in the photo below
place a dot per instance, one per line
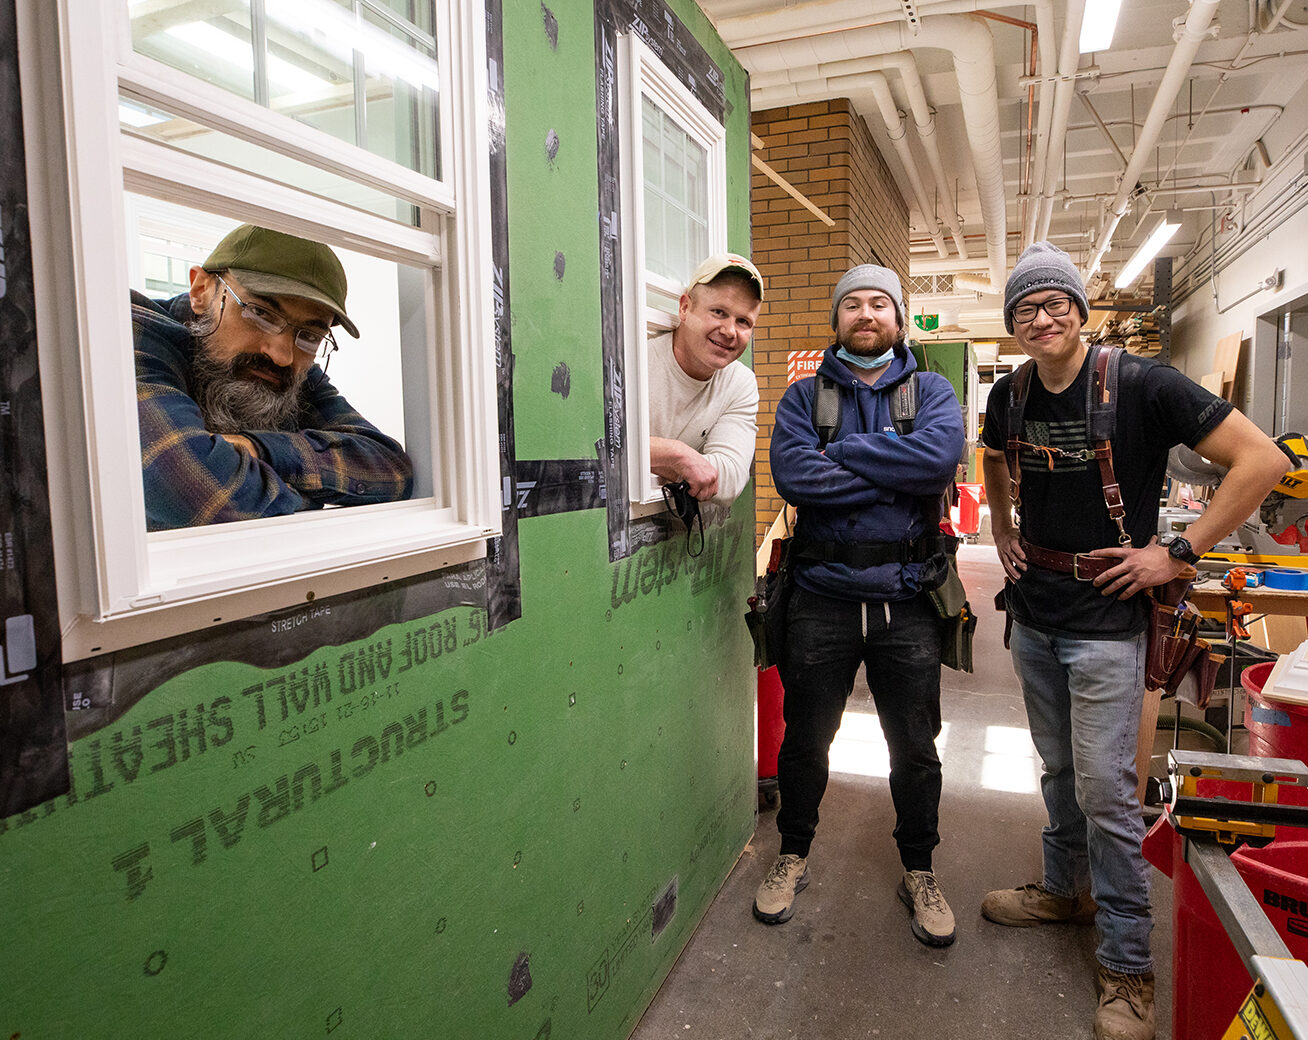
(720, 262)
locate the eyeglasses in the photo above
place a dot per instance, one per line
(1055, 307)
(306, 337)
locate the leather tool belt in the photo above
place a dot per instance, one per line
(1082, 566)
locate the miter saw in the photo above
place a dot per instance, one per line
(1277, 536)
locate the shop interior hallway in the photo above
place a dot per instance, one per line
(846, 966)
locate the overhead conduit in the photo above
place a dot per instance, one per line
(969, 42)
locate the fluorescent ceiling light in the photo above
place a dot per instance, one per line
(1162, 234)
(1098, 24)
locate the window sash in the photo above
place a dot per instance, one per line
(189, 96)
(144, 587)
(651, 299)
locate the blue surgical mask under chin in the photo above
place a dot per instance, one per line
(865, 362)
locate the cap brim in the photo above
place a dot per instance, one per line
(278, 285)
(708, 276)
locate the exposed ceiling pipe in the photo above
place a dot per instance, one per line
(926, 132)
(786, 86)
(969, 41)
(745, 25)
(1192, 34)
(1042, 37)
(876, 82)
(1045, 187)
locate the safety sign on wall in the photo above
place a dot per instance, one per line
(802, 363)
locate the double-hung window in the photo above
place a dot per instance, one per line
(674, 190)
(362, 124)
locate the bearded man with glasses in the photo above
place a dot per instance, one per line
(1075, 596)
(237, 419)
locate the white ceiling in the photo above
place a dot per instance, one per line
(1247, 82)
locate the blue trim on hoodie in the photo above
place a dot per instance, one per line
(870, 485)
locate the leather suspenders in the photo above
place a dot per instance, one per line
(1100, 415)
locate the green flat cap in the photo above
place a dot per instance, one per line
(271, 263)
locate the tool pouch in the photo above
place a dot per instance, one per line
(1001, 605)
(950, 601)
(766, 617)
(1177, 660)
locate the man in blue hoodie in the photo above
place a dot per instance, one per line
(867, 549)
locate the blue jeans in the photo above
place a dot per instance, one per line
(1083, 699)
(899, 646)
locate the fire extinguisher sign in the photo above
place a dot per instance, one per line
(801, 363)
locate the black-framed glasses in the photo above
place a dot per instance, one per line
(1055, 307)
(685, 507)
(306, 337)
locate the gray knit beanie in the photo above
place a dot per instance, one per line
(1041, 266)
(869, 276)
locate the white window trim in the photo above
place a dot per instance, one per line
(142, 588)
(642, 73)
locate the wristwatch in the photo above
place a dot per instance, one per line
(1179, 548)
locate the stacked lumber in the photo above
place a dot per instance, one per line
(1138, 330)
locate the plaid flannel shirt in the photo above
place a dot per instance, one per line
(192, 476)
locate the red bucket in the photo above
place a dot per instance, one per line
(1277, 729)
(1209, 980)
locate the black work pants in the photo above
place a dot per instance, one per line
(826, 640)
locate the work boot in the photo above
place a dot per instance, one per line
(774, 902)
(933, 921)
(1034, 904)
(1126, 1006)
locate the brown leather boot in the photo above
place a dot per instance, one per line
(1126, 1006)
(1033, 904)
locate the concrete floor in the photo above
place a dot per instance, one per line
(846, 965)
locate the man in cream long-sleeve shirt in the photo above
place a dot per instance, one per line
(703, 401)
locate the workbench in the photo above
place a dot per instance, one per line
(1211, 596)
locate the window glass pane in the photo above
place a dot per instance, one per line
(152, 122)
(676, 197)
(651, 141)
(384, 374)
(364, 71)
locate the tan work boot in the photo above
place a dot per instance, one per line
(933, 921)
(1034, 904)
(774, 903)
(1126, 1006)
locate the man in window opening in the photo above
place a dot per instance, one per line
(1077, 609)
(867, 549)
(703, 401)
(237, 420)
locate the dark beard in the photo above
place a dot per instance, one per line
(232, 402)
(883, 342)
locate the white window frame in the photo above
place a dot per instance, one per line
(644, 75)
(145, 587)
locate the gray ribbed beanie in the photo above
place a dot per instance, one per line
(1041, 266)
(869, 276)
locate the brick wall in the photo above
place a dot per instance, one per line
(825, 150)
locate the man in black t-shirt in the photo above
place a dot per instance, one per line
(1075, 596)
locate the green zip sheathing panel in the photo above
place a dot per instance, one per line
(433, 830)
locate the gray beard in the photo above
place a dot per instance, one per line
(230, 403)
